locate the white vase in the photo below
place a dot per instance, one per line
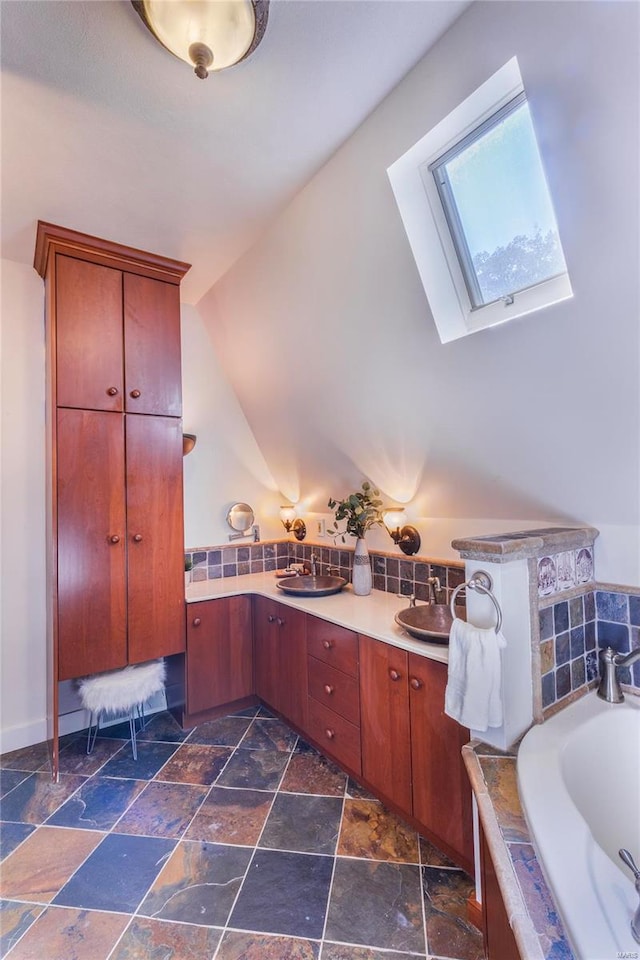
(361, 577)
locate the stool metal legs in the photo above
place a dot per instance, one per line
(135, 714)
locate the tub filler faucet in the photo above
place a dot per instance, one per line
(626, 857)
(609, 688)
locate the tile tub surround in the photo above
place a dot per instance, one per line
(529, 904)
(221, 858)
(392, 573)
(572, 633)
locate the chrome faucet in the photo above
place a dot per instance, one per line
(609, 688)
(314, 565)
(434, 589)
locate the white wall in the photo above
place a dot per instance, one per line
(22, 505)
(533, 422)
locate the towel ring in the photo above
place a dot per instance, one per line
(482, 583)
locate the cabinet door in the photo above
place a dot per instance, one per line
(280, 650)
(88, 311)
(152, 346)
(499, 940)
(219, 652)
(441, 790)
(266, 651)
(384, 713)
(91, 531)
(155, 573)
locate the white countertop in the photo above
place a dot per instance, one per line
(372, 615)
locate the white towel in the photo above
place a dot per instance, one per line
(473, 695)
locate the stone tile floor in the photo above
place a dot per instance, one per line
(233, 841)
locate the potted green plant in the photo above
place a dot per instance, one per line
(361, 511)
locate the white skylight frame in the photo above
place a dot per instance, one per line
(428, 230)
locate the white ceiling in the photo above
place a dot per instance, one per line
(105, 132)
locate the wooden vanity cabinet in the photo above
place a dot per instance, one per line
(411, 751)
(334, 694)
(280, 652)
(499, 940)
(219, 653)
(114, 456)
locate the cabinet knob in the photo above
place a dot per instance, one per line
(271, 618)
(114, 539)
(328, 689)
(196, 621)
(280, 621)
(394, 674)
(112, 391)
(329, 733)
(415, 683)
(138, 537)
(327, 644)
(135, 394)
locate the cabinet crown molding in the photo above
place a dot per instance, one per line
(52, 239)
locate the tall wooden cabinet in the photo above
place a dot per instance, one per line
(115, 527)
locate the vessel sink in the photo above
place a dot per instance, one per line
(309, 586)
(431, 622)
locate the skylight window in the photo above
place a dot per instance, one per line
(476, 207)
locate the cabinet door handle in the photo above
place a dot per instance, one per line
(415, 683)
(114, 539)
(394, 674)
(197, 621)
(328, 689)
(329, 733)
(280, 621)
(271, 618)
(135, 394)
(138, 537)
(112, 391)
(327, 644)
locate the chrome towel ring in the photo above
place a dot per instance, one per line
(482, 583)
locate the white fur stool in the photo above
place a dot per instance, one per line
(121, 692)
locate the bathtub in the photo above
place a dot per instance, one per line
(579, 781)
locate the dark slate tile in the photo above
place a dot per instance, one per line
(421, 572)
(560, 617)
(214, 572)
(449, 933)
(265, 734)
(62, 933)
(37, 797)
(422, 592)
(634, 610)
(614, 635)
(12, 835)
(563, 648)
(15, 920)
(577, 642)
(591, 666)
(406, 570)
(75, 759)
(372, 832)
(376, 903)
(310, 772)
(563, 680)
(244, 554)
(439, 571)
(393, 568)
(406, 588)
(199, 557)
(307, 824)
(548, 689)
(151, 757)
(544, 914)
(257, 552)
(455, 576)
(578, 674)
(254, 769)
(239, 945)
(393, 585)
(431, 856)
(230, 815)
(501, 778)
(223, 732)
(229, 570)
(98, 804)
(590, 635)
(379, 582)
(117, 875)
(198, 884)
(35, 757)
(149, 939)
(347, 951)
(545, 618)
(10, 779)
(284, 893)
(163, 727)
(356, 791)
(378, 565)
(162, 810)
(612, 606)
(589, 605)
(576, 611)
(214, 558)
(115, 731)
(195, 763)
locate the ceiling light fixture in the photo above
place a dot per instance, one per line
(207, 34)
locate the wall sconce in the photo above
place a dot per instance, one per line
(188, 443)
(291, 524)
(207, 34)
(402, 534)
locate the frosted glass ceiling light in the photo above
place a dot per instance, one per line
(208, 34)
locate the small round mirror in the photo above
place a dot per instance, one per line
(240, 517)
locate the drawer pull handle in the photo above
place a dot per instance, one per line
(415, 683)
(112, 391)
(328, 689)
(197, 621)
(327, 644)
(280, 621)
(271, 618)
(114, 539)
(329, 733)
(135, 394)
(394, 674)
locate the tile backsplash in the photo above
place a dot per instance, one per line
(573, 631)
(401, 575)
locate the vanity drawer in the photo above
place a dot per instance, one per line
(334, 689)
(334, 734)
(333, 644)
